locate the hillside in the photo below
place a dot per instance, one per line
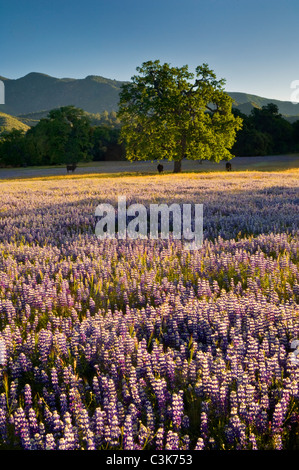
(7, 123)
(37, 92)
(32, 96)
(246, 102)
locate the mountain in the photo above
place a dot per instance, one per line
(38, 92)
(31, 97)
(246, 102)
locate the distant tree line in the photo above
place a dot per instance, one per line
(266, 132)
(69, 135)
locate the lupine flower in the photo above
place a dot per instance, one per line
(50, 443)
(160, 439)
(22, 428)
(252, 440)
(99, 426)
(278, 417)
(177, 409)
(200, 444)
(33, 424)
(172, 441)
(3, 425)
(277, 441)
(27, 396)
(84, 428)
(204, 429)
(70, 439)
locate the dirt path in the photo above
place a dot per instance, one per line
(271, 163)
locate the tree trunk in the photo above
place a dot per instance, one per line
(177, 166)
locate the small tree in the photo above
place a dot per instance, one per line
(166, 116)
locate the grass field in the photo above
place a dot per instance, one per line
(142, 344)
(270, 163)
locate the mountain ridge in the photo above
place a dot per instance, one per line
(36, 92)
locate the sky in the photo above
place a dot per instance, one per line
(252, 44)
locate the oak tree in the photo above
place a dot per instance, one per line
(170, 113)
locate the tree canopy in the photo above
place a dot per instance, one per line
(170, 113)
(65, 136)
(265, 132)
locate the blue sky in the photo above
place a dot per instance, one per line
(252, 44)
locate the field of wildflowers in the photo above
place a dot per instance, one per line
(141, 344)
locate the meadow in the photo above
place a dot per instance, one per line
(142, 344)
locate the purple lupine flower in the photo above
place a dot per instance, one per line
(54, 380)
(233, 400)
(143, 435)
(172, 441)
(38, 442)
(277, 442)
(33, 424)
(160, 389)
(277, 419)
(120, 412)
(22, 428)
(223, 397)
(128, 439)
(70, 439)
(252, 441)
(150, 417)
(63, 403)
(61, 343)
(84, 429)
(185, 422)
(50, 443)
(3, 402)
(262, 421)
(62, 444)
(134, 386)
(160, 439)
(57, 424)
(236, 430)
(44, 344)
(113, 432)
(204, 429)
(27, 396)
(177, 409)
(74, 401)
(3, 425)
(98, 426)
(185, 442)
(200, 445)
(96, 389)
(125, 391)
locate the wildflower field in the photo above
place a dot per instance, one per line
(142, 344)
